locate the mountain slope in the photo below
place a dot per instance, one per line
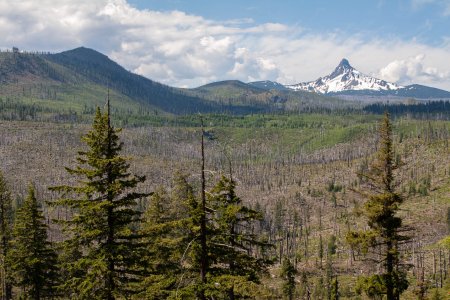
(228, 89)
(346, 80)
(99, 69)
(264, 96)
(421, 91)
(18, 67)
(74, 82)
(268, 85)
(78, 80)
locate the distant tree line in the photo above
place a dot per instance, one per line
(439, 109)
(25, 52)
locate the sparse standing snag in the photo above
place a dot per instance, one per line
(203, 232)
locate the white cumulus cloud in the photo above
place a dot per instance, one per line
(412, 69)
(187, 50)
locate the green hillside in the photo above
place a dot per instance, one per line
(99, 69)
(237, 92)
(75, 82)
(71, 84)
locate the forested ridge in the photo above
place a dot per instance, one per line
(69, 85)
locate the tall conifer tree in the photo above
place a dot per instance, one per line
(170, 231)
(386, 228)
(204, 263)
(288, 273)
(32, 258)
(6, 223)
(231, 243)
(104, 213)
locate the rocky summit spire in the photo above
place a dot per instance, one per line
(343, 67)
(345, 78)
(344, 63)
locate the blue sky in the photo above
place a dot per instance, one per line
(427, 21)
(188, 43)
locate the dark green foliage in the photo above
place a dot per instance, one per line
(380, 210)
(334, 199)
(412, 188)
(376, 285)
(448, 220)
(6, 223)
(329, 277)
(334, 295)
(304, 287)
(419, 109)
(32, 258)
(372, 285)
(288, 272)
(170, 231)
(333, 187)
(320, 252)
(160, 259)
(233, 270)
(101, 229)
(319, 291)
(436, 295)
(331, 247)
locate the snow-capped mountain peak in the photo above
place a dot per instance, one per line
(343, 67)
(345, 78)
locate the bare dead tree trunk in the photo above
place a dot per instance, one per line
(203, 267)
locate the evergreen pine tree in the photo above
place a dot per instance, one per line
(385, 227)
(160, 258)
(436, 295)
(329, 276)
(170, 233)
(6, 223)
(32, 258)
(234, 270)
(334, 289)
(288, 274)
(104, 215)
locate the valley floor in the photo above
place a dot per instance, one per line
(304, 179)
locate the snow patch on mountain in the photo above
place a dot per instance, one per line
(268, 85)
(345, 78)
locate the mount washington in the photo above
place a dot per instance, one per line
(346, 80)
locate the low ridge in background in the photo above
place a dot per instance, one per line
(70, 84)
